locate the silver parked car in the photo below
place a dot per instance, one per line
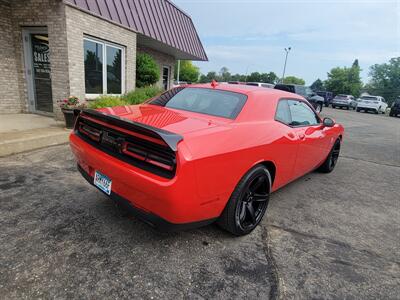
(346, 101)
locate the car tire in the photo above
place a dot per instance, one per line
(333, 156)
(391, 114)
(318, 107)
(376, 111)
(358, 110)
(348, 107)
(333, 106)
(248, 202)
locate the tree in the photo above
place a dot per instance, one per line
(270, 77)
(211, 76)
(318, 85)
(385, 80)
(203, 78)
(254, 77)
(147, 70)
(293, 80)
(238, 77)
(345, 80)
(188, 71)
(224, 74)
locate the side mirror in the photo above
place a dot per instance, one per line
(328, 122)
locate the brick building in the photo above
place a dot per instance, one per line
(51, 49)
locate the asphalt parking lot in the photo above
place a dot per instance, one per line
(329, 236)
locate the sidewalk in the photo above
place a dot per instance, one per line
(25, 132)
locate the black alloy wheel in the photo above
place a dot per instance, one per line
(254, 201)
(248, 203)
(330, 162)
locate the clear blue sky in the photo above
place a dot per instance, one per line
(250, 35)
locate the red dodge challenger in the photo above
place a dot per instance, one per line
(203, 153)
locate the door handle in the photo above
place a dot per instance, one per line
(302, 136)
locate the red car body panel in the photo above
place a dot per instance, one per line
(213, 155)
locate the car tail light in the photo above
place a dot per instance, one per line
(163, 161)
(145, 152)
(89, 131)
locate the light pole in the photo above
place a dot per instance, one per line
(287, 50)
(178, 71)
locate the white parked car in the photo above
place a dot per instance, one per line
(262, 84)
(377, 104)
(179, 83)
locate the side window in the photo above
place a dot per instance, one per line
(301, 114)
(282, 112)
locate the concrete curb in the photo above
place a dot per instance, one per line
(17, 142)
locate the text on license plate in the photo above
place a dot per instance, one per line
(102, 182)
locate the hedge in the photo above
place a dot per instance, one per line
(133, 97)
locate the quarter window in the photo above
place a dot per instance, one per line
(302, 114)
(283, 113)
(104, 65)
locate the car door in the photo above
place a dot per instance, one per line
(313, 139)
(288, 144)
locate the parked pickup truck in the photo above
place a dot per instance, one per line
(316, 101)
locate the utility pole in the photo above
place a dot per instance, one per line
(287, 50)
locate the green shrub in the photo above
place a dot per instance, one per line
(141, 94)
(147, 70)
(107, 101)
(133, 97)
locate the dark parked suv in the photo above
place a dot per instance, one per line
(395, 109)
(305, 91)
(328, 96)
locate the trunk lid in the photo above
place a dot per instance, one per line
(163, 118)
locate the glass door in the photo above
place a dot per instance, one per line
(38, 70)
(41, 72)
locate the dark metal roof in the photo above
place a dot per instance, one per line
(157, 21)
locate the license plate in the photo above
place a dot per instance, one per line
(102, 182)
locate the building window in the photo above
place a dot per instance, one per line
(104, 65)
(165, 77)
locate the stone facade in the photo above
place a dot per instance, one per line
(162, 59)
(66, 27)
(48, 14)
(80, 24)
(10, 100)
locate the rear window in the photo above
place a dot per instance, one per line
(369, 98)
(212, 102)
(341, 97)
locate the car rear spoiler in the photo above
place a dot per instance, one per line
(170, 138)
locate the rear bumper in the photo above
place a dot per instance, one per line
(151, 219)
(367, 107)
(341, 104)
(176, 201)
